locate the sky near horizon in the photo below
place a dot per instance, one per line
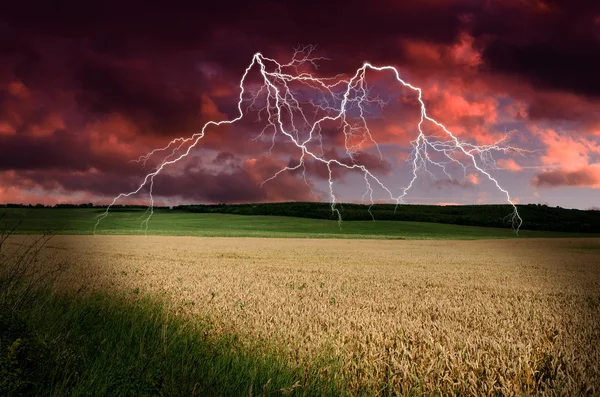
(85, 89)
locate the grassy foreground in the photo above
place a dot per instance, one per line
(89, 342)
(176, 223)
(489, 317)
(101, 345)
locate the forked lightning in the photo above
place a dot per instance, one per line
(345, 100)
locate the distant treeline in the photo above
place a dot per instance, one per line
(535, 216)
(85, 205)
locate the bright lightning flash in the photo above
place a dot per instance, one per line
(279, 98)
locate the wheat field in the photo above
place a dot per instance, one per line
(487, 317)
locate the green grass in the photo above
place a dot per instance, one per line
(176, 223)
(101, 345)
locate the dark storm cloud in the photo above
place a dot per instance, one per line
(448, 183)
(137, 67)
(117, 27)
(226, 158)
(21, 152)
(555, 45)
(552, 64)
(196, 184)
(202, 186)
(379, 166)
(353, 30)
(546, 109)
(233, 184)
(99, 184)
(229, 33)
(139, 96)
(588, 176)
(63, 150)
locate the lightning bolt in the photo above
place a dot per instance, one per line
(279, 101)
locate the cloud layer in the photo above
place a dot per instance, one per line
(85, 89)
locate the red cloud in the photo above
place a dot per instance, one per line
(473, 179)
(425, 56)
(285, 187)
(588, 176)
(566, 151)
(509, 164)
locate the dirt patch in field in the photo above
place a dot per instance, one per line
(461, 317)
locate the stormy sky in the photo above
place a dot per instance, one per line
(86, 87)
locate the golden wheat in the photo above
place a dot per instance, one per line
(507, 317)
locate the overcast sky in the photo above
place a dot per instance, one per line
(86, 88)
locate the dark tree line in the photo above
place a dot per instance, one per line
(535, 216)
(84, 205)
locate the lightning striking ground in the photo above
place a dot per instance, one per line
(339, 97)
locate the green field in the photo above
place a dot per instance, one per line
(107, 345)
(180, 223)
